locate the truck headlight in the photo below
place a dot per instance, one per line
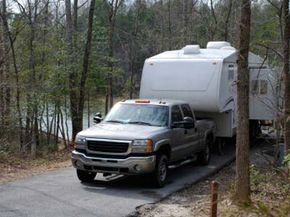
(142, 146)
(80, 140)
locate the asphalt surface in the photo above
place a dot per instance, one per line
(60, 194)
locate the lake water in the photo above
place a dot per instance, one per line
(67, 123)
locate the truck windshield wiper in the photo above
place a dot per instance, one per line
(115, 121)
(139, 122)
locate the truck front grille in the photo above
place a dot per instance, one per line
(108, 146)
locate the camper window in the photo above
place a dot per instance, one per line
(254, 87)
(263, 87)
(259, 87)
(231, 73)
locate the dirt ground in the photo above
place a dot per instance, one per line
(14, 167)
(270, 193)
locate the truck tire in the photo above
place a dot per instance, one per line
(204, 156)
(85, 176)
(161, 171)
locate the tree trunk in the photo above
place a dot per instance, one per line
(88, 108)
(131, 71)
(34, 83)
(226, 31)
(169, 25)
(286, 73)
(5, 80)
(71, 71)
(75, 15)
(47, 123)
(242, 179)
(66, 119)
(214, 28)
(111, 64)
(75, 23)
(62, 129)
(69, 24)
(2, 80)
(162, 18)
(185, 21)
(57, 127)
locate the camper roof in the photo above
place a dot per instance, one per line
(202, 54)
(215, 51)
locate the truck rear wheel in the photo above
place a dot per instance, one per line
(161, 170)
(85, 176)
(204, 156)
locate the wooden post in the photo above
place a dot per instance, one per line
(214, 198)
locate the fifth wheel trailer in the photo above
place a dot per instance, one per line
(206, 78)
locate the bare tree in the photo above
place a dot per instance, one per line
(242, 179)
(86, 58)
(186, 29)
(279, 9)
(11, 39)
(213, 14)
(132, 46)
(31, 11)
(77, 89)
(2, 79)
(32, 16)
(286, 72)
(72, 74)
(113, 7)
(5, 69)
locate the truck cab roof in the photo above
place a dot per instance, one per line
(163, 102)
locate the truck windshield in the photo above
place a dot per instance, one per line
(151, 115)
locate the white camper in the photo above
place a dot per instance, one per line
(206, 78)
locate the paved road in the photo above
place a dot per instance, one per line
(60, 194)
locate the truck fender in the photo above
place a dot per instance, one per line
(161, 143)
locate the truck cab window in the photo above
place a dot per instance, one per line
(186, 111)
(176, 115)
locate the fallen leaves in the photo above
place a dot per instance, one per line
(16, 167)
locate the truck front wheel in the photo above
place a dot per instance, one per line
(85, 176)
(161, 170)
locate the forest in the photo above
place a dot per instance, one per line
(61, 60)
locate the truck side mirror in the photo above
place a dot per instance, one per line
(188, 122)
(98, 118)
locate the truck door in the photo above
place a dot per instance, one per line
(177, 134)
(191, 136)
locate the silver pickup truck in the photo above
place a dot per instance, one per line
(143, 136)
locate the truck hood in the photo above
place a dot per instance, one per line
(121, 131)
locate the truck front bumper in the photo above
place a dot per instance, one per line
(127, 166)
